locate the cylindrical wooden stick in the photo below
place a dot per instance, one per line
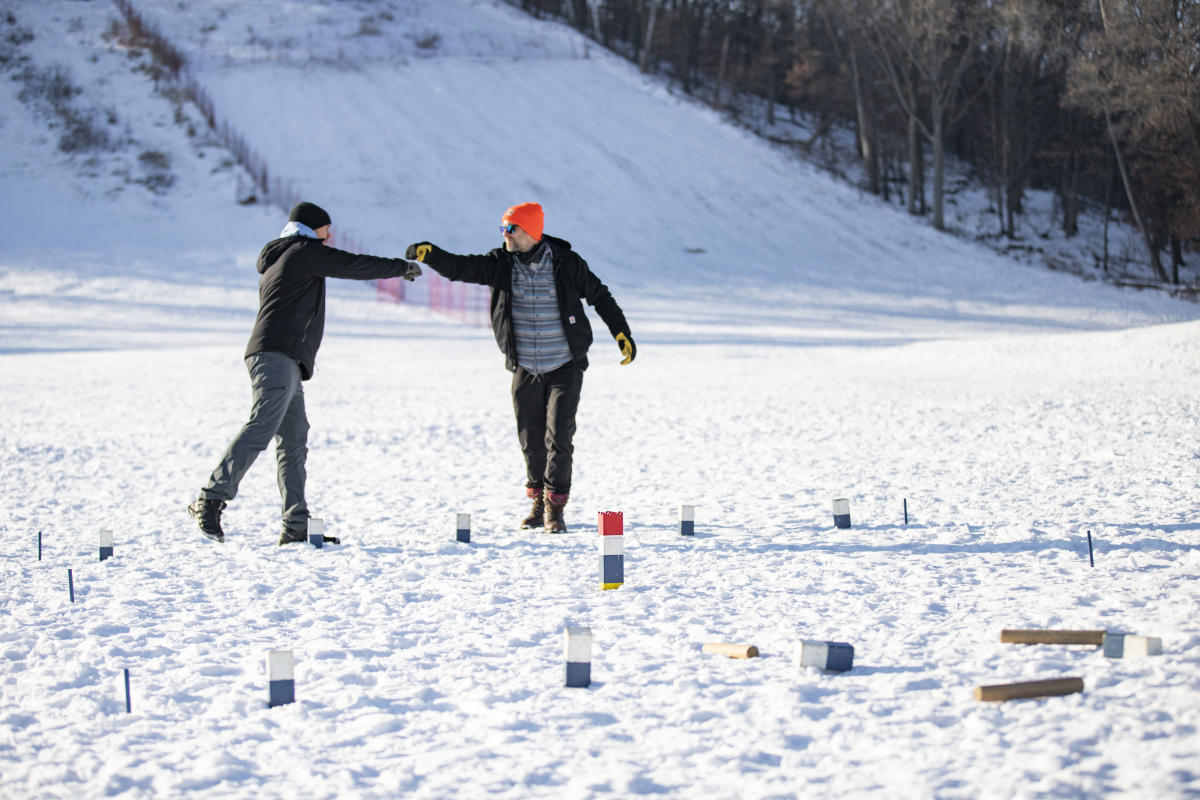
(1095, 638)
(1015, 691)
(731, 650)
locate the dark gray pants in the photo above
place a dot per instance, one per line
(277, 412)
(545, 406)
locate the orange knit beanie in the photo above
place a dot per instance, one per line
(528, 215)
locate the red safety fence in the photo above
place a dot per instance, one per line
(390, 290)
(467, 303)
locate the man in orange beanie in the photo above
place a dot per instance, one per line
(538, 287)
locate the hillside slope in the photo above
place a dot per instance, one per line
(663, 197)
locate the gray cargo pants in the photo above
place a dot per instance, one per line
(277, 412)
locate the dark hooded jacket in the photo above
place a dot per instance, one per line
(291, 294)
(573, 283)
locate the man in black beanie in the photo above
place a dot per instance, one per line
(280, 355)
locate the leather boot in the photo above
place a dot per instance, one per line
(555, 503)
(537, 514)
(207, 514)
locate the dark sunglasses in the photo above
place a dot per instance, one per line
(509, 228)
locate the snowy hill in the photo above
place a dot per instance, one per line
(798, 341)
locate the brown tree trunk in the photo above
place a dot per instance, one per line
(939, 169)
(767, 54)
(1107, 216)
(866, 124)
(594, 7)
(1070, 195)
(1152, 251)
(1006, 145)
(648, 41)
(916, 169)
(721, 68)
(1155, 261)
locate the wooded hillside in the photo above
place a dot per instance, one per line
(1095, 100)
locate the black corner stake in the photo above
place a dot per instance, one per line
(1091, 558)
(128, 701)
(71, 584)
(39, 545)
(906, 511)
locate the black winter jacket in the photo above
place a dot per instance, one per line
(573, 283)
(291, 294)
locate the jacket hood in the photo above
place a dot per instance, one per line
(272, 251)
(556, 243)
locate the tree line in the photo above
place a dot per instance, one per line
(1097, 101)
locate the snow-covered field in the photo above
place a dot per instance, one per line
(821, 346)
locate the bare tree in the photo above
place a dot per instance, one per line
(925, 48)
(1139, 71)
(651, 9)
(845, 37)
(1091, 95)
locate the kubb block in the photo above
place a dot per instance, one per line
(316, 532)
(833, 656)
(731, 650)
(841, 512)
(281, 681)
(687, 520)
(1093, 638)
(106, 545)
(463, 531)
(612, 549)
(1126, 645)
(1019, 691)
(577, 652)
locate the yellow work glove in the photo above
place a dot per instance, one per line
(419, 251)
(628, 348)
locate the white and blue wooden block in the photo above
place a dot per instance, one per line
(316, 532)
(834, 656)
(687, 521)
(281, 679)
(106, 545)
(577, 652)
(612, 549)
(1126, 645)
(463, 532)
(841, 512)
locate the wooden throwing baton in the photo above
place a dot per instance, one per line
(1017, 691)
(732, 650)
(1095, 638)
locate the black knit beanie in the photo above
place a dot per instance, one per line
(311, 215)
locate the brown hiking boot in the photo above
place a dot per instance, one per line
(537, 513)
(555, 503)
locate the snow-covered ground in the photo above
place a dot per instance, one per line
(822, 345)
